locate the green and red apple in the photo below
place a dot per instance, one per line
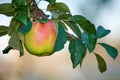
(40, 40)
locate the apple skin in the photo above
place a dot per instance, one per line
(40, 40)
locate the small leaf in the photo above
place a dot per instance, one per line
(7, 9)
(15, 43)
(25, 28)
(61, 38)
(84, 24)
(101, 63)
(7, 49)
(3, 30)
(14, 25)
(90, 41)
(101, 32)
(21, 49)
(22, 15)
(78, 52)
(43, 20)
(18, 4)
(74, 27)
(58, 6)
(110, 50)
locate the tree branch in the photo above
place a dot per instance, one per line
(37, 12)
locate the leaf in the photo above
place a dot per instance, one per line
(43, 20)
(61, 38)
(15, 43)
(21, 36)
(101, 32)
(64, 16)
(110, 50)
(21, 49)
(22, 15)
(51, 1)
(55, 14)
(59, 6)
(3, 30)
(74, 27)
(7, 9)
(78, 52)
(7, 49)
(90, 41)
(101, 63)
(18, 4)
(84, 24)
(25, 28)
(14, 25)
(63, 25)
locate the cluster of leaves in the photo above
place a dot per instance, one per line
(85, 35)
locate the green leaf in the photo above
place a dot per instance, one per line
(63, 25)
(18, 4)
(7, 9)
(101, 32)
(14, 25)
(43, 20)
(22, 15)
(3, 30)
(90, 41)
(55, 14)
(7, 49)
(101, 63)
(61, 38)
(110, 50)
(25, 28)
(84, 24)
(59, 6)
(51, 1)
(64, 16)
(74, 27)
(21, 36)
(78, 52)
(15, 43)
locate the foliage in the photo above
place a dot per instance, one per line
(78, 51)
(85, 36)
(101, 63)
(61, 38)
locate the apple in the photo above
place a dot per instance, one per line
(40, 40)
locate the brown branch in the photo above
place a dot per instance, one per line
(37, 12)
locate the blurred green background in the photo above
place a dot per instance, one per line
(58, 66)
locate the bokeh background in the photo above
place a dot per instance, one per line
(58, 66)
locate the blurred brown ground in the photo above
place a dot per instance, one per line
(58, 66)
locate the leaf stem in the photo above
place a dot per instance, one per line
(72, 36)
